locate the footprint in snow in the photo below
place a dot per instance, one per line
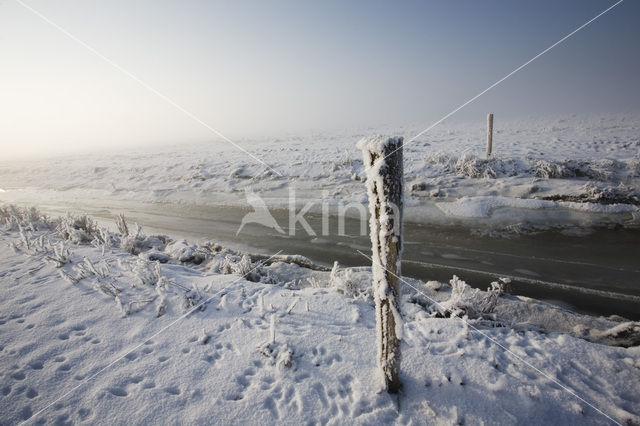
(26, 412)
(320, 357)
(212, 357)
(36, 364)
(172, 390)
(84, 413)
(18, 375)
(131, 356)
(118, 391)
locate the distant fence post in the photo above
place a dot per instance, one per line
(384, 169)
(489, 134)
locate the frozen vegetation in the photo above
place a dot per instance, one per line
(123, 327)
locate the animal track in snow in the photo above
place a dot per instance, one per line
(118, 391)
(173, 390)
(26, 412)
(149, 385)
(36, 364)
(131, 386)
(212, 357)
(223, 327)
(18, 375)
(320, 357)
(131, 356)
(84, 413)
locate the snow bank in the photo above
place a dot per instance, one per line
(477, 207)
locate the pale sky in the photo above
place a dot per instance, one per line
(268, 68)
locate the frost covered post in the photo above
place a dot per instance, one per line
(384, 171)
(489, 134)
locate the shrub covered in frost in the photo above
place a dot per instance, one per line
(12, 217)
(183, 252)
(121, 224)
(60, 256)
(471, 166)
(148, 273)
(550, 170)
(241, 266)
(351, 284)
(77, 229)
(592, 193)
(602, 170)
(474, 167)
(611, 195)
(137, 242)
(465, 300)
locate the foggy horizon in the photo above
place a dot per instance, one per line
(266, 70)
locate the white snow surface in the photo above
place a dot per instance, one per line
(73, 352)
(576, 159)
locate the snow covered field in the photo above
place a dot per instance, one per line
(123, 328)
(545, 172)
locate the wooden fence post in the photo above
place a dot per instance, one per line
(489, 134)
(384, 169)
